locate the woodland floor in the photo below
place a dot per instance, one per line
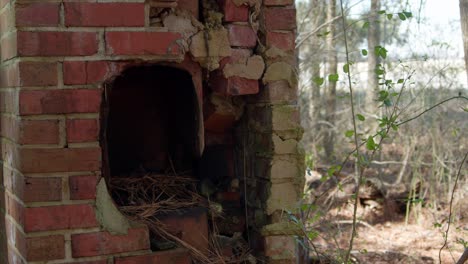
(385, 237)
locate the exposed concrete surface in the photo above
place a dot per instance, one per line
(110, 218)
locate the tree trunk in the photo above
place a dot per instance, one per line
(332, 63)
(464, 27)
(373, 40)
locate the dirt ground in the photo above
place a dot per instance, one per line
(417, 242)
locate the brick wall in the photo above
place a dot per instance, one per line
(56, 58)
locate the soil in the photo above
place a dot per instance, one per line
(395, 241)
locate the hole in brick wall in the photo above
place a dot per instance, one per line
(153, 168)
(152, 121)
(151, 146)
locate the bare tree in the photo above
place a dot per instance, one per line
(332, 62)
(464, 27)
(373, 40)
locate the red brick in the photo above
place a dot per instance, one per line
(189, 5)
(82, 130)
(103, 243)
(278, 2)
(234, 13)
(60, 160)
(143, 43)
(88, 72)
(219, 123)
(52, 43)
(37, 14)
(192, 228)
(242, 36)
(83, 187)
(59, 217)
(237, 55)
(214, 139)
(229, 196)
(177, 256)
(284, 41)
(37, 73)
(39, 132)
(45, 248)
(42, 189)
(104, 261)
(233, 85)
(105, 14)
(280, 18)
(59, 101)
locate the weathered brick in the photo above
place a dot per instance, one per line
(103, 243)
(280, 18)
(104, 261)
(192, 228)
(3, 3)
(278, 2)
(82, 130)
(189, 5)
(14, 209)
(281, 40)
(9, 76)
(37, 73)
(9, 46)
(42, 189)
(280, 246)
(237, 55)
(178, 256)
(143, 43)
(60, 160)
(37, 14)
(59, 101)
(6, 21)
(52, 43)
(233, 85)
(39, 132)
(234, 13)
(83, 187)
(9, 128)
(59, 217)
(45, 248)
(242, 36)
(8, 101)
(16, 237)
(104, 14)
(88, 72)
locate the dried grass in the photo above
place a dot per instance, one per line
(143, 197)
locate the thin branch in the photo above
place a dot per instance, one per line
(450, 207)
(358, 175)
(432, 107)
